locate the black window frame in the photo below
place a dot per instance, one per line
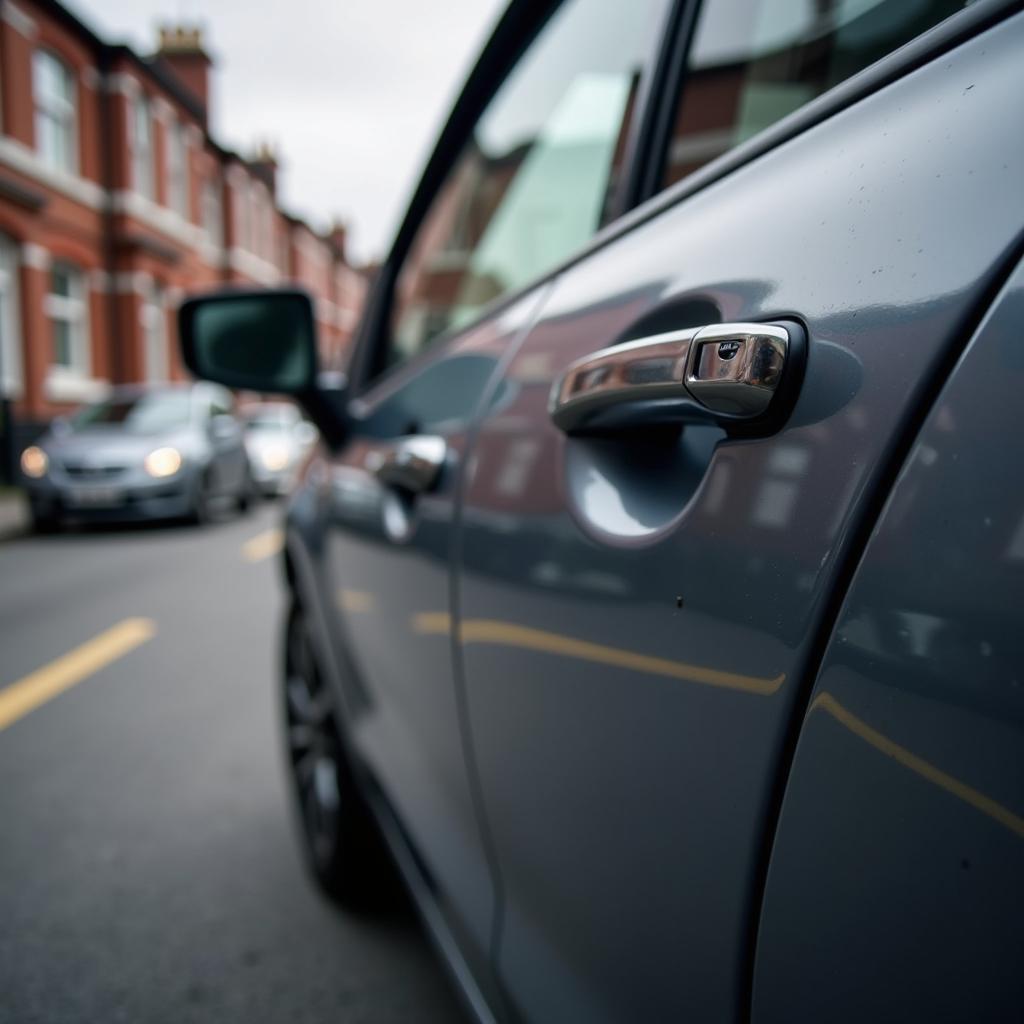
(513, 35)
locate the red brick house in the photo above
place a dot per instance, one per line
(115, 201)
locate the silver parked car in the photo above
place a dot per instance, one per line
(141, 453)
(277, 439)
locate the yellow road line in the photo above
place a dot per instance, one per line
(918, 765)
(28, 693)
(263, 545)
(492, 631)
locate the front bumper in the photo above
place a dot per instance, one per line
(131, 498)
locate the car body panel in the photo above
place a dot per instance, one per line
(386, 561)
(894, 887)
(636, 621)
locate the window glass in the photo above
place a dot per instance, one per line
(68, 315)
(10, 321)
(211, 212)
(53, 88)
(755, 61)
(154, 328)
(538, 175)
(148, 412)
(142, 147)
(177, 169)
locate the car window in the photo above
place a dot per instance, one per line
(752, 62)
(146, 413)
(538, 174)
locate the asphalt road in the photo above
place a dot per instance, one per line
(148, 865)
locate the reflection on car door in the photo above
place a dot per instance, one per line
(534, 181)
(638, 610)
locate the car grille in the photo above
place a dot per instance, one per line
(87, 471)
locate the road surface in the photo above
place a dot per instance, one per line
(148, 867)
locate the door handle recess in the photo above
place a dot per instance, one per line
(724, 373)
(412, 464)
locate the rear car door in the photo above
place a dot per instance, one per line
(638, 608)
(544, 146)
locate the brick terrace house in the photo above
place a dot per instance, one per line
(115, 201)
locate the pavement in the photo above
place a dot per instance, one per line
(148, 866)
(14, 518)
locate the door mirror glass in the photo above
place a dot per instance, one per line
(255, 341)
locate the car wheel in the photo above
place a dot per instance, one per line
(343, 847)
(43, 524)
(247, 495)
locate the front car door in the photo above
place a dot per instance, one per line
(532, 177)
(640, 610)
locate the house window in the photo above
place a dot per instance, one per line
(10, 321)
(53, 88)
(211, 212)
(154, 333)
(177, 169)
(68, 312)
(142, 147)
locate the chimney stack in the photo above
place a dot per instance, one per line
(264, 165)
(181, 50)
(336, 238)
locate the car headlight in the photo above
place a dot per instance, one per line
(274, 457)
(34, 462)
(163, 462)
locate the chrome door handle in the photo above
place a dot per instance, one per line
(722, 372)
(413, 464)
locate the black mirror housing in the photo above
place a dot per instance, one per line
(252, 340)
(263, 341)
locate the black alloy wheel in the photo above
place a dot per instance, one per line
(340, 839)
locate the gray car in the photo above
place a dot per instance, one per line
(657, 597)
(158, 452)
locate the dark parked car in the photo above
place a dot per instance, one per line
(141, 453)
(657, 594)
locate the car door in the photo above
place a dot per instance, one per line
(895, 890)
(541, 141)
(640, 606)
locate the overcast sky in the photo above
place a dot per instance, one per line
(351, 92)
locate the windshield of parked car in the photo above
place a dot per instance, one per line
(145, 413)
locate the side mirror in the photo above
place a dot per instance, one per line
(255, 341)
(263, 341)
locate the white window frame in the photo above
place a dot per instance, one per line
(55, 109)
(73, 310)
(178, 193)
(153, 320)
(11, 373)
(140, 114)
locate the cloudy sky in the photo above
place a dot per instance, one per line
(351, 92)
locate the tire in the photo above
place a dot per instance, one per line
(342, 845)
(43, 524)
(247, 495)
